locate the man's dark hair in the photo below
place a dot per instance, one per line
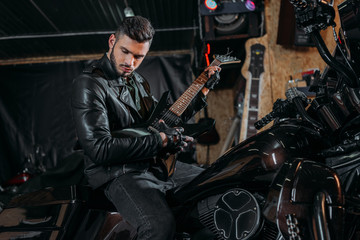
(137, 28)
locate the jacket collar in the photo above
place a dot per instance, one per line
(106, 67)
(108, 72)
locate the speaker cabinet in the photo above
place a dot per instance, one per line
(231, 20)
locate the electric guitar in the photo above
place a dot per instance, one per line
(171, 114)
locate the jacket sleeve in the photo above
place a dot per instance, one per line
(92, 126)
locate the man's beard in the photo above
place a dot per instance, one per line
(115, 67)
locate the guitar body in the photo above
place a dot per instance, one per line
(161, 111)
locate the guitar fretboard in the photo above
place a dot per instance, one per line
(185, 99)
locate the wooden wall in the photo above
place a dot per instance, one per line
(280, 63)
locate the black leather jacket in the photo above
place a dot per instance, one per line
(101, 105)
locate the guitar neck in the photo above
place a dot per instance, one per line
(185, 99)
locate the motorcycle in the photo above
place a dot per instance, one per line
(298, 179)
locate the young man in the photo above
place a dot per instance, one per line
(111, 96)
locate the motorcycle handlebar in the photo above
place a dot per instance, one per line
(265, 120)
(285, 108)
(280, 108)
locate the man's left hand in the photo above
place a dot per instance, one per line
(214, 78)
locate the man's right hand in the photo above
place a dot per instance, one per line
(172, 137)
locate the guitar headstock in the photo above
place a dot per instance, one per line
(226, 59)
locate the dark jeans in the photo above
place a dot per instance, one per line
(140, 199)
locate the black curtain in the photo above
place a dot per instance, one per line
(36, 122)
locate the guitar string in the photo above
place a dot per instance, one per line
(192, 91)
